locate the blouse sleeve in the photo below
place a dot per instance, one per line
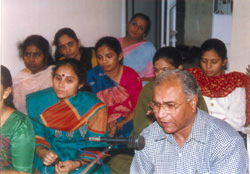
(23, 146)
(236, 114)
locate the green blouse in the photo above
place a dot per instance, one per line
(17, 143)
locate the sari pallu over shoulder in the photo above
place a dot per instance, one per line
(223, 85)
(67, 115)
(25, 83)
(138, 56)
(115, 96)
(61, 125)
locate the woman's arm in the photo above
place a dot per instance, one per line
(69, 166)
(46, 155)
(22, 144)
(130, 116)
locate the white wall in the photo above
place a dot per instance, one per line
(91, 19)
(240, 48)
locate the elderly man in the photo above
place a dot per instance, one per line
(185, 139)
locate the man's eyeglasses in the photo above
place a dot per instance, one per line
(170, 108)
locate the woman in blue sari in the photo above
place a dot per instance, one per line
(138, 53)
(118, 86)
(62, 116)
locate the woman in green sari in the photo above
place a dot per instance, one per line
(17, 139)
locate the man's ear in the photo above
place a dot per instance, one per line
(194, 102)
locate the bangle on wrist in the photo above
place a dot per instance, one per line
(80, 161)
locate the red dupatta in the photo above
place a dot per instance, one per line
(223, 85)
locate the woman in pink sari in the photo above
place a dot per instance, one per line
(38, 73)
(118, 86)
(137, 52)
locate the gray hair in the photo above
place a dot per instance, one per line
(187, 80)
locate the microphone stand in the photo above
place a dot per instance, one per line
(105, 151)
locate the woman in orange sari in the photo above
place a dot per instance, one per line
(227, 95)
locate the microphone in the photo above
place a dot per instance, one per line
(138, 142)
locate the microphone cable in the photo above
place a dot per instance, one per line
(77, 147)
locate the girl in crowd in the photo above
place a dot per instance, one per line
(116, 85)
(62, 116)
(69, 46)
(38, 73)
(227, 95)
(17, 137)
(138, 53)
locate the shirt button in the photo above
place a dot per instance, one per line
(212, 104)
(211, 112)
(180, 154)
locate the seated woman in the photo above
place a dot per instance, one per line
(165, 58)
(227, 95)
(62, 116)
(69, 46)
(116, 85)
(17, 136)
(38, 73)
(138, 53)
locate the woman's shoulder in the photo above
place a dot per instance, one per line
(43, 92)
(21, 75)
(129, 71)
(237, 74)
(149, 86)
(130, 77)
(36, 99)
(93, 73)
(19, 119)
(88, 97)
(148, 45)
(25, 74)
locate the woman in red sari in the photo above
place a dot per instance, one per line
(227, 95)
